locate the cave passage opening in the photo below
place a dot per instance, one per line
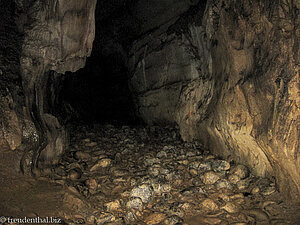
(99, 92)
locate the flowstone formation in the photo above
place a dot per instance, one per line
(41, 39)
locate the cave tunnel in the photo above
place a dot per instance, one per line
(99, 92)
(149, 112)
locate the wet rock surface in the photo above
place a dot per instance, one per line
(148, 175)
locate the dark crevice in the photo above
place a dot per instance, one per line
(99, 92)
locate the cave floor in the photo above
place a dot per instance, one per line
(125, 175)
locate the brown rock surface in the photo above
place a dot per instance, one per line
(42, 36)
(231, 81)
(256, 114)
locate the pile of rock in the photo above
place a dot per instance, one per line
(149, 176)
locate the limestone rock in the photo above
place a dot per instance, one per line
(144, 192)
(104, 218)
(210, 177)
(92, 184)
(242, 184)
(162, 154)
(102, 163)
(135, 203)
(82, 155)
(231, 207)
(220, 165)
(75, 174)
(234, 178)
(209, 204)
(151, 161)
(201, 166)
(112, 206)
(77, 21)
(255, 190)
(241, 171)
(223, 184)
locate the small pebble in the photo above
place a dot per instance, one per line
(193, 172)
(223, 184)
(75, 174)
(255, 190)
(151, 161)
(241, 171)
(231, 207)
(102, 163)
(135, 203)
(112, 206)
(104, 218)
(82, 155)
(154, 170)
(187, 206)
(242, 184)
(162, 154)
(210, 177)
(144, 192)
(200, 166)
(130, 217)
(86, 140)
(233, 178)
(120, 172)
(91, 184)
(236, 196)
(209, 204)
(220, 165)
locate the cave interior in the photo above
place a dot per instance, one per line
(126, 111)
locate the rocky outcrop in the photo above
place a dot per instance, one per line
(256, 68)
(54, 35)
(231, 81)
(166, 65)
(165, 68)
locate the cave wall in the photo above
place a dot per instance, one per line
(170, 64)
(44, 39)
(229, 77)
(256, 66)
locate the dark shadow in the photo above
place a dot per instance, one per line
(99, 92)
